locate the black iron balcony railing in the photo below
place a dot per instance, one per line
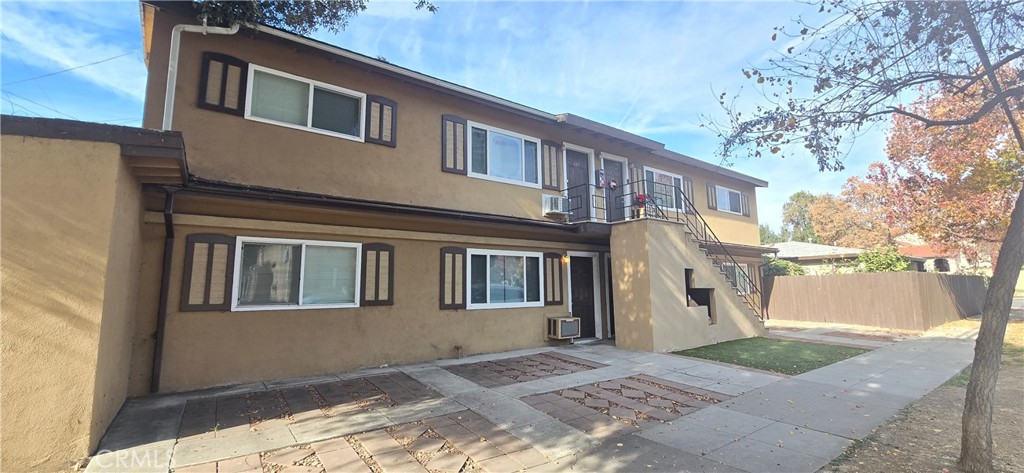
(658, 200)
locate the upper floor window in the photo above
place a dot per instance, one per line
(502, 279)
(664, 188)
(503, 156)
(287, 100)
(272, 273)
(729, 200)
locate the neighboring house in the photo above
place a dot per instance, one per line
(936, 258)
(337, 212)
(818, 259)
(827, 259)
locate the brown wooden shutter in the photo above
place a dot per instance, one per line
(222, 83)
(688, 193)
(381, 120)
(453, 144)
(745, 204)
(551, 166)
(209, 272)
(712, 197)
(453, 278)
(378, 274)
(553, 279)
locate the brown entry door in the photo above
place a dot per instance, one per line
(581, 285)
(578, 174)
(615, 171)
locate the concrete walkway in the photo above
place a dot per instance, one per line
(765, 423)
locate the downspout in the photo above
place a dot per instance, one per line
(165, 285)
(172, 62)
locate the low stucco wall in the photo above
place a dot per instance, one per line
(67, 258)
(211, 348)
(649, 258)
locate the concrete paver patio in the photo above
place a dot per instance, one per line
(579, 408)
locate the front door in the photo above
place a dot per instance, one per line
(581, 286)
(614, 171)
(578, 174)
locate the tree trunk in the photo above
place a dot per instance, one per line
(976, 440)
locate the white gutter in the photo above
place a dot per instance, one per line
(404, 72)
(172, 62)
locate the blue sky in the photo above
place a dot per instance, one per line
(652, 68)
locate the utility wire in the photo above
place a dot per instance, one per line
(72, 68)
(37, 103)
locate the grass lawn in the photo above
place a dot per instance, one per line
(1013, 349)
(770, 354)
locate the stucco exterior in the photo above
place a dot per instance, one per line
(234, 149)
(70, 251)
(651, 307)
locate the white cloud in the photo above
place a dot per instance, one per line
(35, 33)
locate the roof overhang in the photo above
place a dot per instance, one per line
(154, 157)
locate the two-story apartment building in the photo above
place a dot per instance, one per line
(304, 209)
(344, 212)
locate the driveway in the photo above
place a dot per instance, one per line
(572, 408)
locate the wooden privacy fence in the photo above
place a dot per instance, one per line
(906, 301)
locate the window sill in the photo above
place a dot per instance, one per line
(503, 180)
(318, 131)
(517, 305)
(260, 308)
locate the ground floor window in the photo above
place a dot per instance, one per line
(504, 279)
(739, 280)
(273, 273)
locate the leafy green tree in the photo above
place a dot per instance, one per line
(781, 267)
(882, 260)
(850, 67)
(300, 17)
(768, 236)
(796, 219)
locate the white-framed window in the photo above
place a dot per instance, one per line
(504, 156)
(729, 200)
(288, 100)
(504, 279)
(735, 274)
(279, 274)
(664, 188)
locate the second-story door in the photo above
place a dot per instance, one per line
(615, 203)
(577, 172)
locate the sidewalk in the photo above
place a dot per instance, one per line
(574, 408)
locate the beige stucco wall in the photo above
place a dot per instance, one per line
(662, 321)
(217, 347)
(67, 258)
(230, 148)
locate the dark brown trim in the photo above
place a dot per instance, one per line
(688, 193)
(377, 249)
(556, 259)
(61, 129)
(210, 239)
(204, 79)
(165, 288)
(445, 139)
(745, 204)
(549, 182)
(215, 188)
(712, 196)
(393, 126)
(454, 251)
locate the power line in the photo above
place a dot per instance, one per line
(72, 68)
(37, 103)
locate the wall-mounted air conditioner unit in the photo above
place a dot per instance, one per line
(562, 328)
(556, 205)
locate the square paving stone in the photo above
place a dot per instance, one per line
(609, 385)
(398, 461)
(572, 394)
(409, 431)
(752, 455)
(803, 440)
(529, 457)
(622, 413)
(633, 393)
(660, 403)
(500, 464)
(340, 461)
(447, 462)
(288, 456)
(378, 441)
(240, 464)
(596, 403)
(425, 444)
